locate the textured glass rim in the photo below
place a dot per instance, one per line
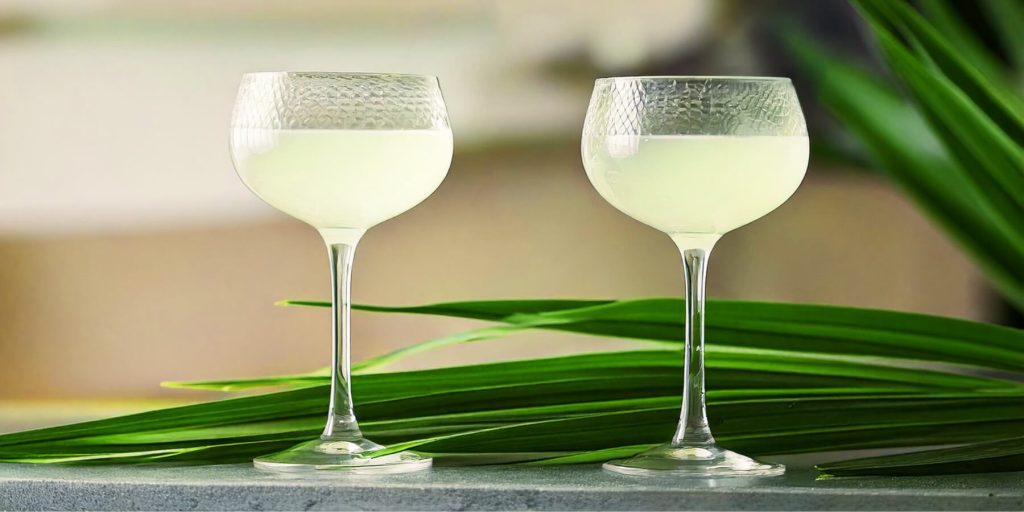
(719, 78)
(336, 74)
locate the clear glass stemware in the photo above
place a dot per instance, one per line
(694, 157)
(341, 152)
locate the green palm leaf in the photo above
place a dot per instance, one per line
(583, 407)
(898, 140)
(797, 327)
(972, 185)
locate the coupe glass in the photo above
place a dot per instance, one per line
(341, 152)
(694, 157)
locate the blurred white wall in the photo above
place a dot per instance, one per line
(115, 113)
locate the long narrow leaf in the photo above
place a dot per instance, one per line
(960, 195)
(987, 457)
(982, 134)
(949, 23)
(993, 97)
(797, 327)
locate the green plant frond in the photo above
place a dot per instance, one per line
(994, 97)
(959, 194)
(797, 327)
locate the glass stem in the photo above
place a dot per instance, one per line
(693, 429)
(341, 417)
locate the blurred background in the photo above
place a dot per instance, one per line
(131, 254)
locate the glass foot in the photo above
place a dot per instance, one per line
(347, 456)
(699, 462)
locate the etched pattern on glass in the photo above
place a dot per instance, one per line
(694, 106)
(339, 101)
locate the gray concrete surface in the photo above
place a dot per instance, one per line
(240, 487)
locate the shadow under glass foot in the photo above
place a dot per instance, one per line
(336, 456)
(710, 461)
